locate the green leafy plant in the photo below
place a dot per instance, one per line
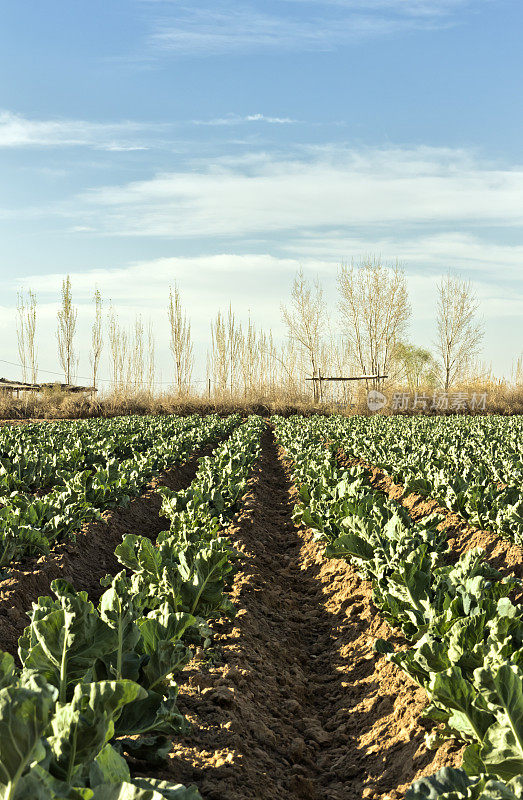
(466, 635)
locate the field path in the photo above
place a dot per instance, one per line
(300, 707)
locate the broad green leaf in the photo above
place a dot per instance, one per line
(24, 716)
(117, 610)
(446, 783)
(38, 784)
(7, 669)
(170, 791)
(81, 728)
(157, 713)
(161, 631)
(108, 767)
(350, 545)
(502, 750)
(65, 639)
(451, 690)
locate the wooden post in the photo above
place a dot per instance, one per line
(209, 388)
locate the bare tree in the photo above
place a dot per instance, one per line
(235, 340)
(137, 356)
(517, 371)
(151, 360)
(343, 367)
(96, 336)
(20, 334)
(248, 359)
(306, 320)
(112, 331)
(118, 351)
(264, 363)
(227, 365)
(65, 331)
(290, 378)
(263, 369)
(218, 366)
(459, 333)
(374, 309)
(181, 344)
(30, 330)
(26, 335)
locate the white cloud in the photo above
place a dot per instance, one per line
(19, 131)
(146, 282)
(200, 31)
(210, 31)
(228, 27)
(332, 189)
(254, 283)
(408, 8)
(469, 254)
(237, 119)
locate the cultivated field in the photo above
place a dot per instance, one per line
(247, 609)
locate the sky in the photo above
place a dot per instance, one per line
(221, 145)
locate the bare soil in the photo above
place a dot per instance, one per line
(86, 559)
(503, 554)
(298, 705)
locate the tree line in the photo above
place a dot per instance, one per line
(132, 351)
(373, 316)
(368, 336)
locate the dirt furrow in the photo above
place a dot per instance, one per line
(90, 556)
(298, 706)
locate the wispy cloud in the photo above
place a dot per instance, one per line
(328, 189)
(19, 131)
(237, 119)
(405, 8)
(471, 253)
(231, 27)
(209, 31)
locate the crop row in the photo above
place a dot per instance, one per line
(83, 475)
(97, 683)
(472, 465)
(465, 634)
(36, 456)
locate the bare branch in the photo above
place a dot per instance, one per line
(374, 308)
(459, 334)
(65, 331)
(306, 321)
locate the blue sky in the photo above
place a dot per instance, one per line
(222, 144)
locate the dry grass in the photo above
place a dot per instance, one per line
(502, 398)
(60, 405)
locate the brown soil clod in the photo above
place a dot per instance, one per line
(300, 706)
